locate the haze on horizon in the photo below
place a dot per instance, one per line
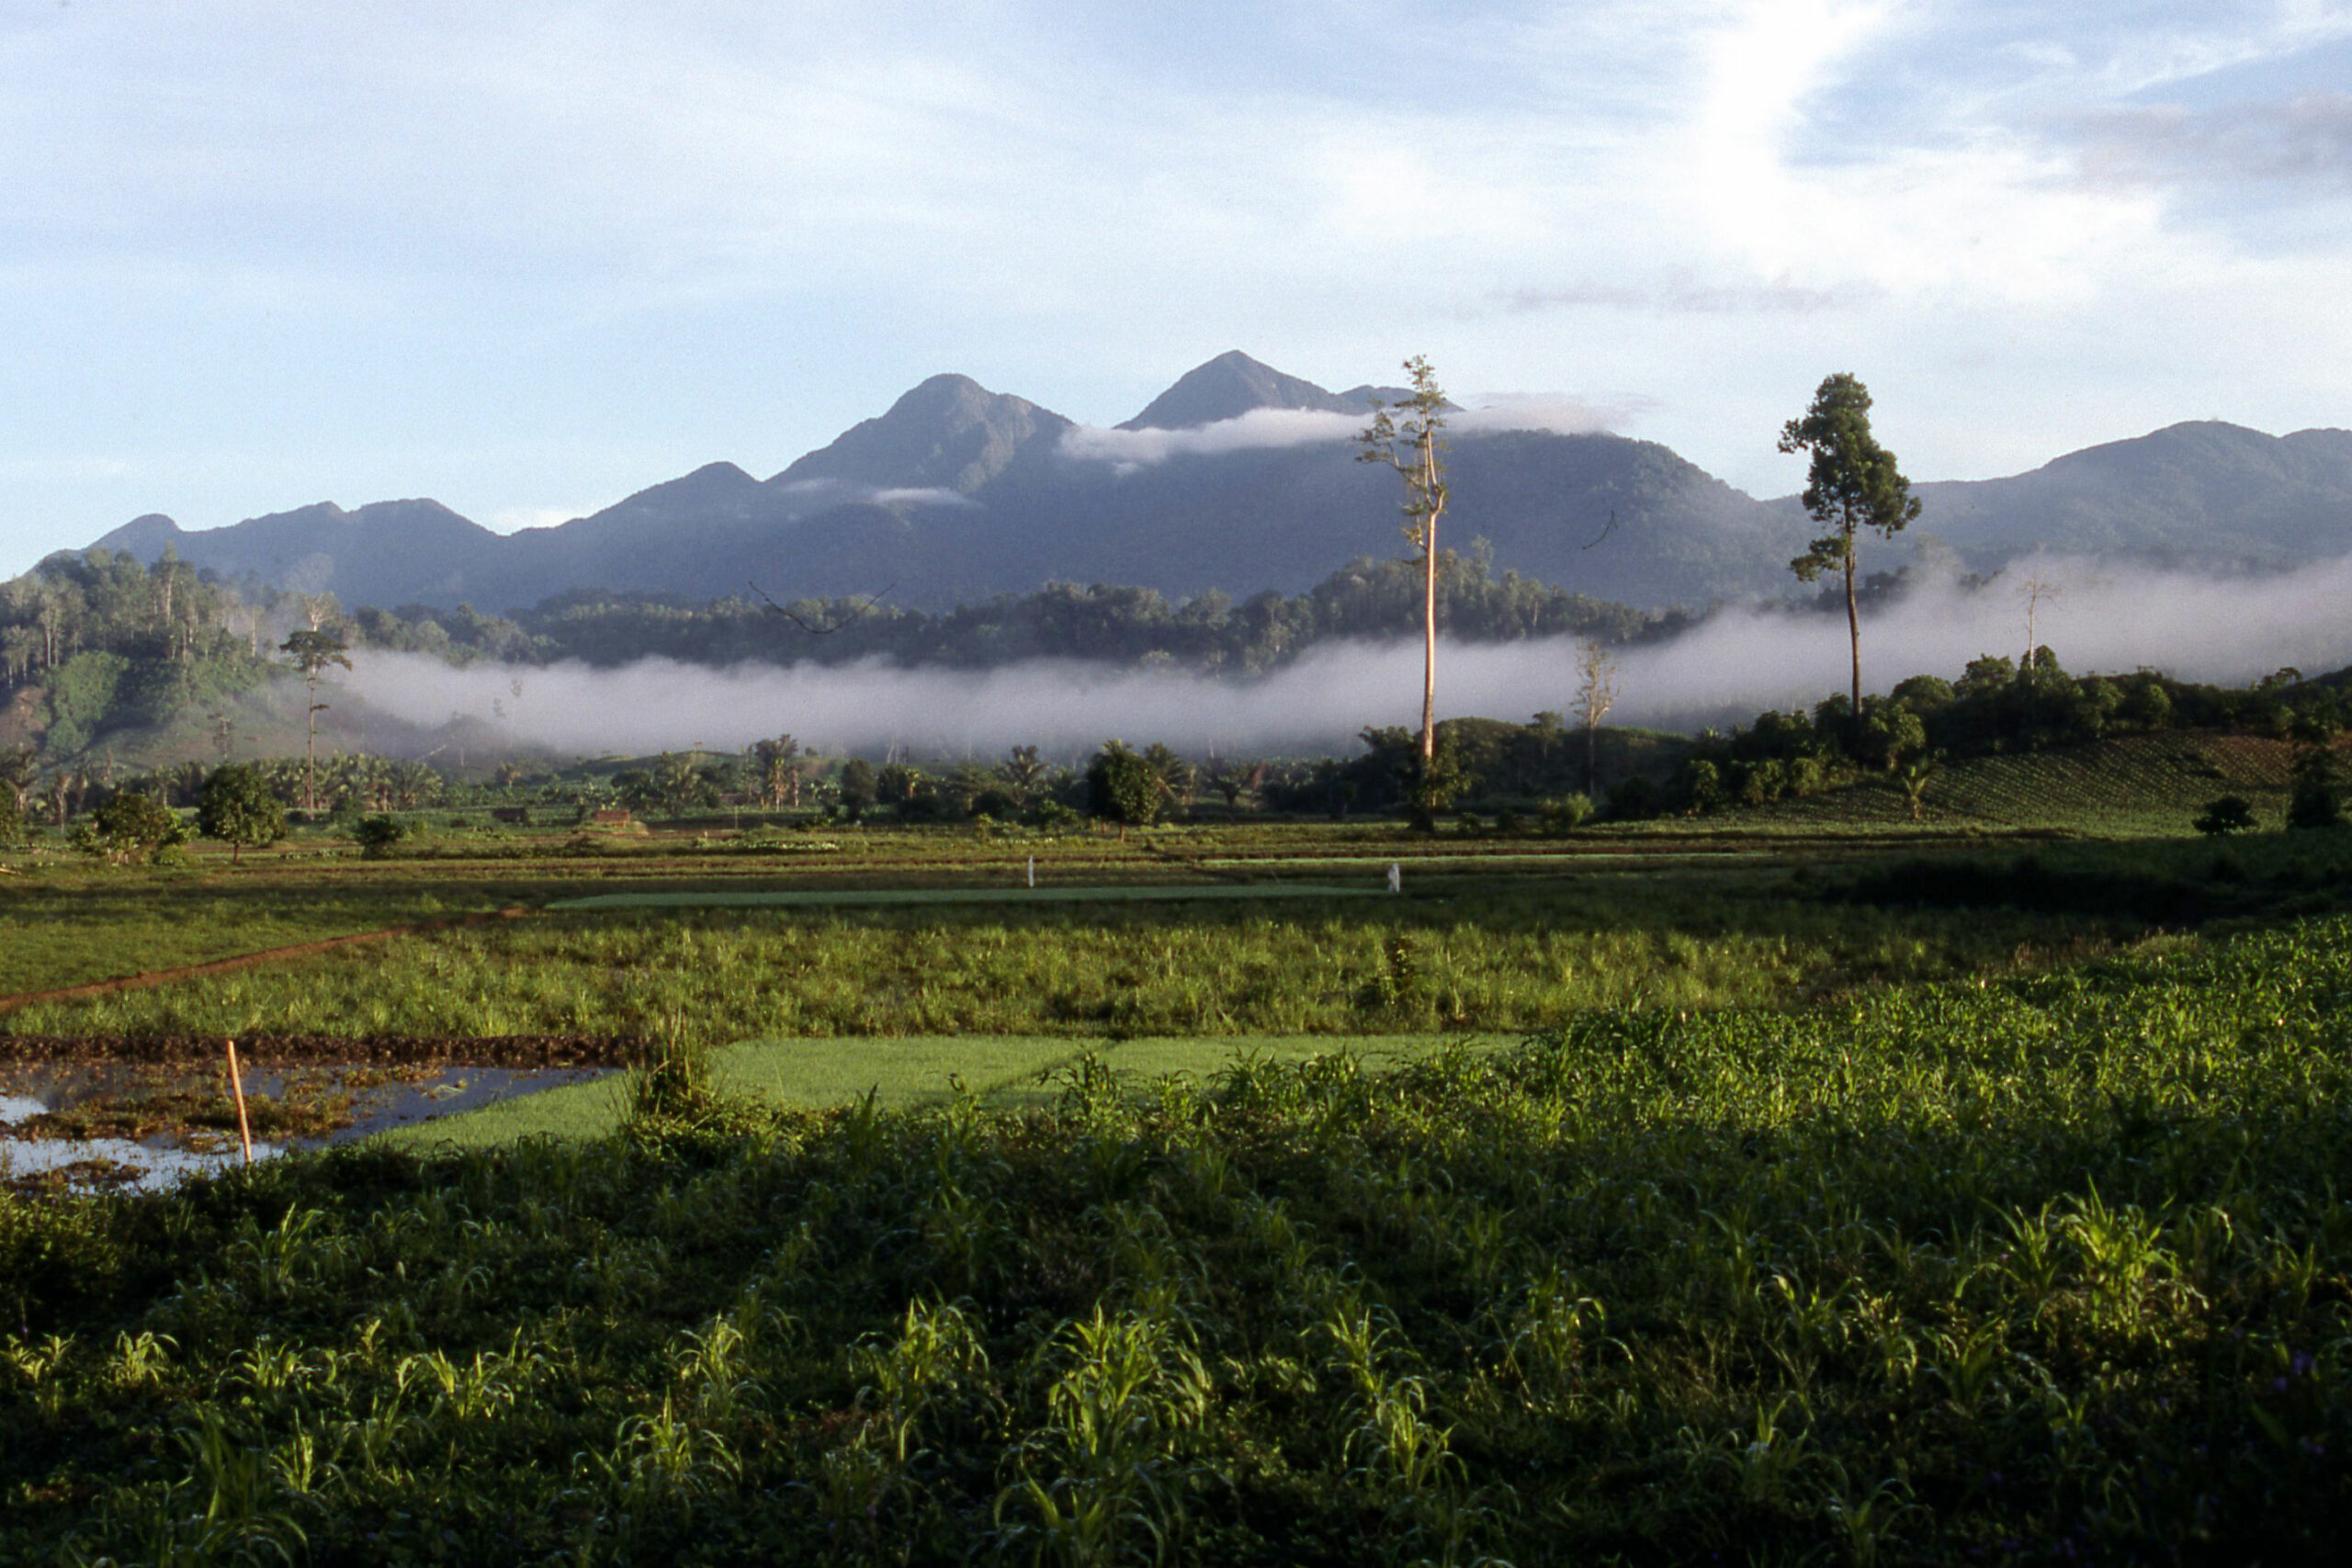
(2098, 618)
(529, 258)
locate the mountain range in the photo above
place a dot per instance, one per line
(1242, 479)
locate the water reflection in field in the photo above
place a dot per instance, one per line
(144, 1125)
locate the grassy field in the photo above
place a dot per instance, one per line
(2141, 786)
(998, 1071)
(2051, 1268)
(1792, 1186)
(1510, 954)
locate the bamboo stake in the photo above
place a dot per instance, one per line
(237, 1086)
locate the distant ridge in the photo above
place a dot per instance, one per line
(956, 492)
(2199, 491)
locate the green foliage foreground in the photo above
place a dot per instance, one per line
(2030, 1270)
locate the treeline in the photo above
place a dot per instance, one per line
(1209, 631)
(341, 785)
(1996, 705)
(95, 645)
(1533, 767)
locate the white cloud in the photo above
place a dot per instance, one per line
(334, 237)
(1258, 430)
(1273, 429)
(842, 493)
(1557, 412)
(922, 495)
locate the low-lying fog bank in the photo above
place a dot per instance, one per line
(1728, 668)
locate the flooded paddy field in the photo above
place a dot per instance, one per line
(92, 1113)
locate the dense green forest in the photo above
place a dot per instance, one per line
(96, 644)
(1365, 599)
(1995, 707)
(97, 651)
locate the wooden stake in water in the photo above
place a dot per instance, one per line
(237, 1086)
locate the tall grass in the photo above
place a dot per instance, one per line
(2041, 1267)
(1490, 956)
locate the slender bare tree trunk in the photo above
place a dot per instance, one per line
(311, 752)
(1429, 648)
(1854, 631)
(1429, 602)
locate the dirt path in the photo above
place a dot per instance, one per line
(245, 961)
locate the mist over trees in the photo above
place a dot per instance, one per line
(97, 648)
(108, 662)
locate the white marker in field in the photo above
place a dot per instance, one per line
(1033, 871)
(1396, 877)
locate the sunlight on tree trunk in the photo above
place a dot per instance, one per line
(1408, 436)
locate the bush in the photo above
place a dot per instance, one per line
(1431, 784)
(1564, 815)
(2313, 805)
(376, 836)
(2230, 814)
(12, 818)
(129, 827)
(1636, 799)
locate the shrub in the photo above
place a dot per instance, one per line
(129, 827)
(1564, 815)
(2229, 814)
(858, 789)
(377, 835)
(1636, 799)
(2314, 804)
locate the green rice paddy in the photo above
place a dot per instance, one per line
(998, 1071)
(786, 899)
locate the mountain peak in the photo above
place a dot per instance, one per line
(1229, 387)
(143, 536)
(948, 431)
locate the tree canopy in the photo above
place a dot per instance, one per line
(1852, 483)
(239, 808)
(1122, 786)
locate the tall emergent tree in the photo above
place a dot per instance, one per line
(312, 650)
(1596, 695)
(1853, 484)
(1409, 436)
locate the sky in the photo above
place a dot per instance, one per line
(526, 259)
